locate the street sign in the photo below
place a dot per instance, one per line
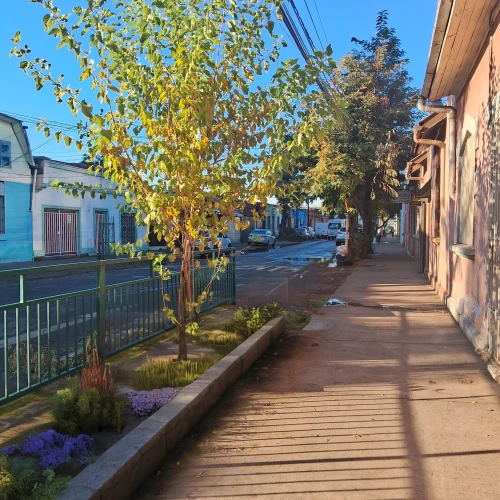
(403, 197)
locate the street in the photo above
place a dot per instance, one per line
(275, 268)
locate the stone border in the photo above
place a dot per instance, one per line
(123, 468)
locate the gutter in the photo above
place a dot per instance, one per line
(34, 172)
(451, 113)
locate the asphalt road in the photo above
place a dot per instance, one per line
(255, 270)
(58, 328)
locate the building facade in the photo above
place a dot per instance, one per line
(16, 187)
(65, 225)
(452, 224)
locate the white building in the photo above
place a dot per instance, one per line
(67, 225)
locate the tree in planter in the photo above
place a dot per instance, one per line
(362, 157)
(177, 111)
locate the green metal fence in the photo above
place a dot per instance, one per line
(43, 339)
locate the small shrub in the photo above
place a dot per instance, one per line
(26, 482)
(64, 411)
(160, 373)
(88, 411)
(287, 231)
(8, 487)
(92, 405)
(357, 246)
(247, 321)
(51, 488)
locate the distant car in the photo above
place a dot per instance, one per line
(262, 238)
(341, 236)
(222, 241)
(311, 232)
(304, 232)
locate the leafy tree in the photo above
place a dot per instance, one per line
(293, 189)
(361, 160)
(179, 110)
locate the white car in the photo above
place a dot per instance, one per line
(341, 236)
(222, 242)
(262, 237)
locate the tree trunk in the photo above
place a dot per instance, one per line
(367, 234)
(284, 218)
(184, 314)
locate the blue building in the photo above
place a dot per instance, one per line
(17, 177)
(300, 217)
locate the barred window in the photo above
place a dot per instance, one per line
(4, 154)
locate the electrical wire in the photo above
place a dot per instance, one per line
(314, 25)
(321, 22)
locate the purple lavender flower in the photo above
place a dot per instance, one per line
(146, 402)
(54, 449)
(10, 450)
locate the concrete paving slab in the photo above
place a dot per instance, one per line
(384, 398)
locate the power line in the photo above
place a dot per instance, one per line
(304, 29)
(34, 120)
(321, 22)
(314, 25)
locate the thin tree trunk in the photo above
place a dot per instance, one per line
(367, 233)
(284, 218)
(184, 298)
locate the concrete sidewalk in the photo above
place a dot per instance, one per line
(384, 398)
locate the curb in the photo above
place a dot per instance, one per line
(122, 469)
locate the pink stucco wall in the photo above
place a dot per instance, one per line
(462, 281)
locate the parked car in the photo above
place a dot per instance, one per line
(341, 236)
(333, 228)
(222, 241)
(304, 232)
(311, 232)
(263, 238)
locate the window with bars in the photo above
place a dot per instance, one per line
(2, 207)
(4, 154)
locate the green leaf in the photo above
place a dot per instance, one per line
(17, 37)
(107, 134)
(67, 140)
(86, 110)
(329, 50)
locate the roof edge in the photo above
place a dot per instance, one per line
(443, 14)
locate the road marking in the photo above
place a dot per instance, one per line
(275, 288)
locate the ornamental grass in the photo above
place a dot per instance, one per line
(159, 373)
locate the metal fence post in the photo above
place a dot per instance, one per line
(22, 289)
(233, 302)
(101, 309)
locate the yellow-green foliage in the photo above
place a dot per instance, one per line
(247, 321)
(159, 373)
(87, 411)
(222, 342)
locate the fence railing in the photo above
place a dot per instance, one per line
(45, 338)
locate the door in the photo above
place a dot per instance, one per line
(100, 220)
(127, 228)
(60, 232)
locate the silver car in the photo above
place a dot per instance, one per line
(263, 238)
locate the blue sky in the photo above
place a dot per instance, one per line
(341, 19)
